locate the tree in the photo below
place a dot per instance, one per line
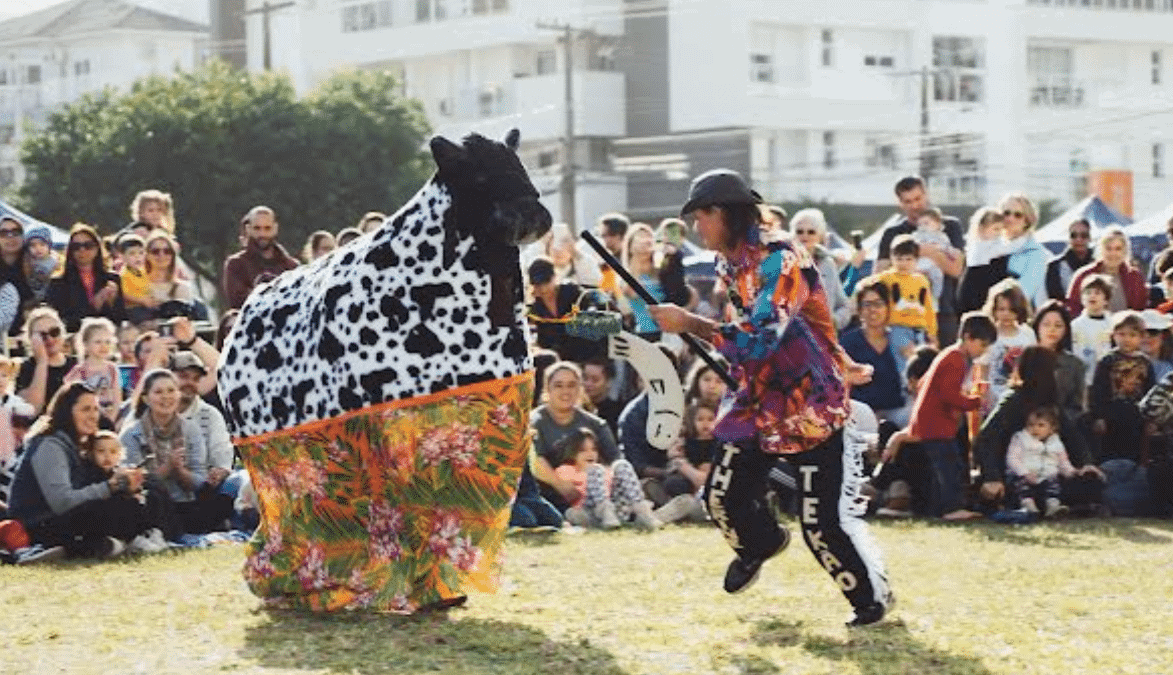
(221, 141)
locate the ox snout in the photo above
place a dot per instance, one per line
(525, 220)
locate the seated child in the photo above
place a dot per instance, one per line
(606, 497)
(912, 314)
(136, 286)
(11, 406)
(98, 463)
(1035, 460)
(1123, 376)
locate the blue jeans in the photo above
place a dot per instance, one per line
(947, 470)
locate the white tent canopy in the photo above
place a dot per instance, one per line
(1153, 225)
(1093, 209)
(60, 237)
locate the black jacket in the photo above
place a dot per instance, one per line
(67, 295)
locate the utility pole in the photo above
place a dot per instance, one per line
(265, 10)
(569, 175)
(926, 164)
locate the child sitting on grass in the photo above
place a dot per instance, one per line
(99, 460)
(1123, 376)
(606, 497)
(1035, 460)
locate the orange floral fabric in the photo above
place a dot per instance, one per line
(389, 508)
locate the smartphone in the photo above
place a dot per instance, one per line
(857, 238)
(165, 330)
(126, 376)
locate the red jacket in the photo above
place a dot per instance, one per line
(242, 269)
(1136, 292)
(936, 415)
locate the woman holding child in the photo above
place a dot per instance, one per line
(1032, 387)
(1028, 259)
(62, 501)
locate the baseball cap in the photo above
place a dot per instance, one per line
(1154, 320)
(719, 186)
(182, 360)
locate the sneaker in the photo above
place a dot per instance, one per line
(644, 518)
(156, 535)
(1054, 509)
(873, 613)
(605, 516)
(741, 573)
(578, 517)
(889, 512)
(1029, 505)
(31, 555)
(141, 544)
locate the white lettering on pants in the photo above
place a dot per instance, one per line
(814, 537)
(718, 486)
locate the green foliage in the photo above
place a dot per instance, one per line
(220, 142)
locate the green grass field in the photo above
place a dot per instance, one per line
(1061, 599)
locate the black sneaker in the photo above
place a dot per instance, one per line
(36, 553)
(742, 572)
(873, 613)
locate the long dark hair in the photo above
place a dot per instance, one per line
(1036, 378)
(69, 270)
(59, 414)
(140, 403)
(1061, 309)
(740, 219)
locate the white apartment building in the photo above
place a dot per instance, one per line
(55, 56)
(827, 101)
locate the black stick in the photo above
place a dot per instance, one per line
(691, 340)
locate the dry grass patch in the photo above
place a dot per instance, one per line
(1074, 597)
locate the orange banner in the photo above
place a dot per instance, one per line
(1114, 187)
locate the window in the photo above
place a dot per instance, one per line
(441, 10)
(547, 62)
(547, 158)
(366, 16)
(761, 68)
(959, 67)
(81, 68)
(7, 132)
(3, 76)
(872, 61)
(881, 155)
(423, 10)
(1156, 59)
(828, 40)
(33, 75)
(828, 149)
(1158, 160)
(7, 176)
(1050, 71)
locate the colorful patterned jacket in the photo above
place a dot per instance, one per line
(783, 349)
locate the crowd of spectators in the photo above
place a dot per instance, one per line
(1006, 382)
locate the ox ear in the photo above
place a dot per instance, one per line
(445, 152)
(513, 139)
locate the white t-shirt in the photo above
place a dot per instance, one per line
(1000, 360)
(1091, 338)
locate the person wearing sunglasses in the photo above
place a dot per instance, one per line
(810, 229)
(12, 269)
(1061, 270)
(1163, 260)
(42, 375)
(164, 283)
(85, 287)
(1113, 258)
(1028, 259)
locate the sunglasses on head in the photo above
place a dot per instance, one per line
(52, 333)
(82, 245)
(1016, 214)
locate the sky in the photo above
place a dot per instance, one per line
(195, 10)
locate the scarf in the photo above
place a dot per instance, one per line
(163, 442)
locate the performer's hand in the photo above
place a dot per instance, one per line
(671, 319)
(216, 476)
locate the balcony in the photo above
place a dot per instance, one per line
(1059, 91)
(535, 105)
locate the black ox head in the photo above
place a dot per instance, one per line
(492, 196)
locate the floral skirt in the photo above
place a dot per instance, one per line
(389, 508)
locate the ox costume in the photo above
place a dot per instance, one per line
(792, 402)
(380, 397)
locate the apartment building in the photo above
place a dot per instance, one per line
(52, 57)
(827, 101)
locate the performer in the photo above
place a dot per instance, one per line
(792, 401)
